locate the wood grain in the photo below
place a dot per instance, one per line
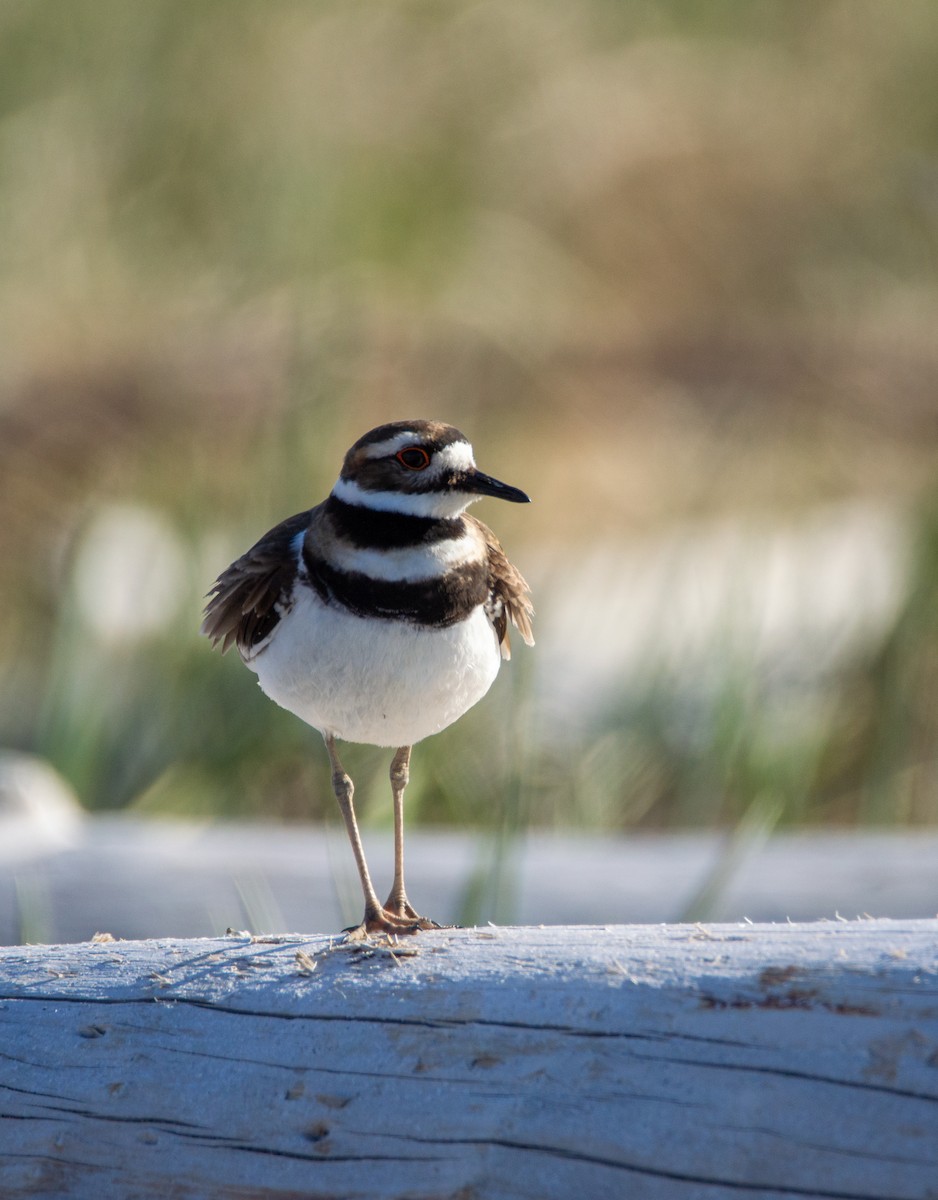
(685, 1062)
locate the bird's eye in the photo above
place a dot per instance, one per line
(414, 458)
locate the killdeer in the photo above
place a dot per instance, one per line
(381, 615)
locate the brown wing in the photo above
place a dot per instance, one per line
(509, 594)
(249, 597)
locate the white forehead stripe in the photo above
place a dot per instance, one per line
(457, 456)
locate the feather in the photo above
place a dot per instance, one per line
(509, 594)
(246, 601)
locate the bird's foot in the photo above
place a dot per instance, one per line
(400, 907)
(383, 921)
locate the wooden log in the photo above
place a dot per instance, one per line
(653, 1062)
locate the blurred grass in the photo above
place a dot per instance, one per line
(662, 261)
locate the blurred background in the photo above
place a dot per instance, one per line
(670, 265)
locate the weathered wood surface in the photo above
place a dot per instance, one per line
(650, 1062)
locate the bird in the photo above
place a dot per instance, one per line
(380, 616)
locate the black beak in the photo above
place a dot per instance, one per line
(485, 485)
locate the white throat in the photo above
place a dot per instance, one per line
(412, 504)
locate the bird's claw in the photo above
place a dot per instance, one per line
(384, 921)
(402, 909)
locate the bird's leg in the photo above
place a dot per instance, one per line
(376, 918)
(344, 790)
(397, 903)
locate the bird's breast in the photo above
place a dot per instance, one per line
(381, 680)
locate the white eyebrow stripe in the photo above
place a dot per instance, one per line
(456, 456)
(391, 445)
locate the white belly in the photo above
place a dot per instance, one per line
(382, 682)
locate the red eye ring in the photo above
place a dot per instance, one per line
(414, 458)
